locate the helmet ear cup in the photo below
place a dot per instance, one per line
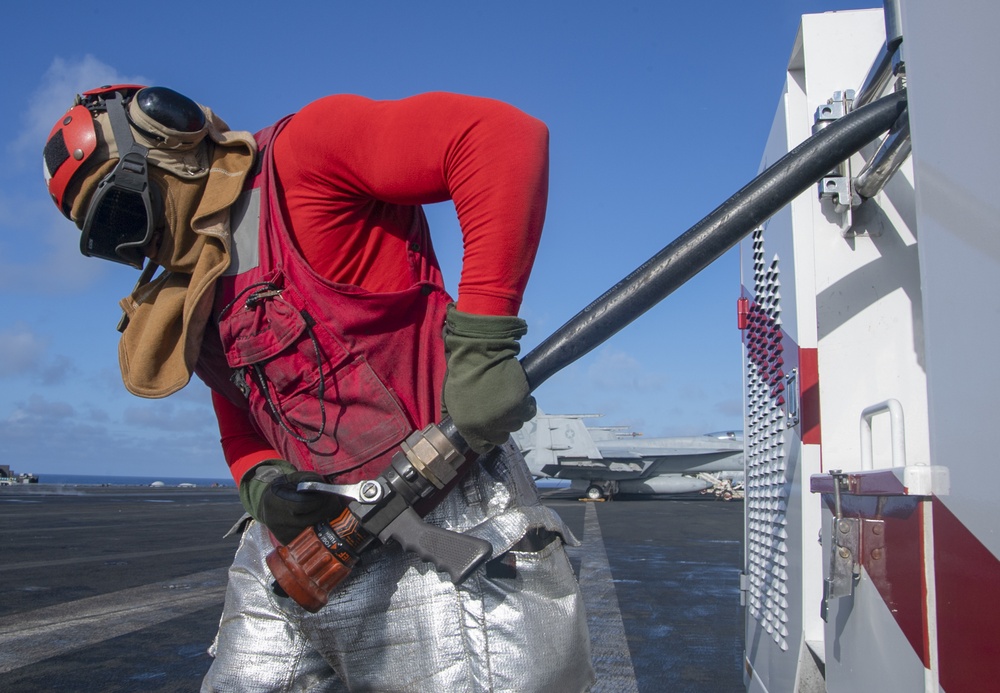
(171, 110)
(67, 152)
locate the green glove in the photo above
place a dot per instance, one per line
(269, 494)
(485, 389)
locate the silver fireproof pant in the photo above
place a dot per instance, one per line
(396, 624)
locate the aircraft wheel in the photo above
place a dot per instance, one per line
(595, 493)
(727, 495)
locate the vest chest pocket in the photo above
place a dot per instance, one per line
(305, 389)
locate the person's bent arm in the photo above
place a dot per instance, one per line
(343, 154)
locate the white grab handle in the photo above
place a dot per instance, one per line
(897, 431)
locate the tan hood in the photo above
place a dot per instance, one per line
(200, 180)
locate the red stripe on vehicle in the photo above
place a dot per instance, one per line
(904, 589)
(809, 396)
(968, 608)
(966, 575)
(897, 571)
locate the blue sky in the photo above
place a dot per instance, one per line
(657, 111)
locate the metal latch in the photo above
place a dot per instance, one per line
(854, 542)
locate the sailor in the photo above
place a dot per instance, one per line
(299, 282)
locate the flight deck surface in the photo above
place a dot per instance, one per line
(110, 589)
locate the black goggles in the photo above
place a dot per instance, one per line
(123, 213)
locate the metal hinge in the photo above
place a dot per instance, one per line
(836, 186)
(792, 398)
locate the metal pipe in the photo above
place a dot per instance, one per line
(707, 240)
(893, 24)
(878, 77)
(882, 68)
(890, 156)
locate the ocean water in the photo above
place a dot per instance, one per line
(88, 480)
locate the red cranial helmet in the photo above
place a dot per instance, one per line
(73, 142)
(123, 210)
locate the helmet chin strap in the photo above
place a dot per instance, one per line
(121, 129)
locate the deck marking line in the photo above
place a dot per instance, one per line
(28, 565)
(608, 645)
(33, 636)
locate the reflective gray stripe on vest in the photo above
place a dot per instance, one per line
(245, 225)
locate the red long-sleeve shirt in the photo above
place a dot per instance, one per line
(352, 169)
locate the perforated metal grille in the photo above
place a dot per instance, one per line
(766, 483)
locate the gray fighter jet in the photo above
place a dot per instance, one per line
(601, 461)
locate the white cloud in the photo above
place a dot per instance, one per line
(54, 96)
(164, 416)
(40, 249)
(38, 410)
(732, 408)
(619, 370)
(56, 371)
(52, 436)
(56, 266)
(24, 352)
(21, 351)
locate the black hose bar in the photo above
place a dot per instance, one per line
(657, 278)
(707, 240)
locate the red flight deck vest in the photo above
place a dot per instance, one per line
(334, 376)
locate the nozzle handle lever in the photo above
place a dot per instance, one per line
(450, 552)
